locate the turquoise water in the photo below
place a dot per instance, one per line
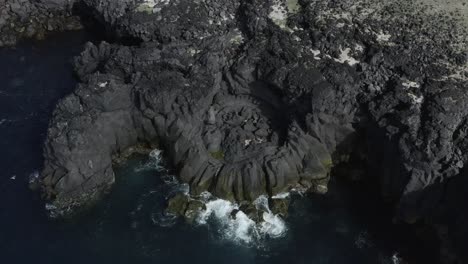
(347, 225)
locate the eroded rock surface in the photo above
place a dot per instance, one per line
(257, 97)
(34, 19)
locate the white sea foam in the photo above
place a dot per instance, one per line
(235, 225)
(301, 191)
(261, 203)
(273, 225)
(205, 197)
(232, 223)
(241, 228)
(52, 210)
(156, 155)
(155, 161)
(221, 209)
(237, 228)
(283, 195)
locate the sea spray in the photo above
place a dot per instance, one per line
(154, 162)
(220, 208)
(235, 225)
(283, 195)
(261, 203)
(232, 223)
(272, 225)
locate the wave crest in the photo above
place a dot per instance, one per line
(235, 225)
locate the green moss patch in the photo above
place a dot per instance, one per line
(219, 155)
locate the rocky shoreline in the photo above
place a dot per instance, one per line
(257, 97)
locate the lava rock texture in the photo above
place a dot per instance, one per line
(258, 97)
(34, 19)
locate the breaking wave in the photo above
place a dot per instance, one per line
(221, 216)
(234, 225)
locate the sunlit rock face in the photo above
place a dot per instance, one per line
(256, 97)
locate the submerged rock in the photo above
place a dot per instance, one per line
(251, 212)
(193, 209)
(178, 204)
(280, 206)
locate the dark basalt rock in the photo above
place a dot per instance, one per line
(196, 107)
(35, 19)
(257, 97)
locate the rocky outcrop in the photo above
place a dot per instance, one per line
(225, 127)
(34, 19)
(258, 97)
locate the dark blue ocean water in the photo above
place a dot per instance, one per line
(348, 225)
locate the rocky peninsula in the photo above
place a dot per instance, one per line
(258, 97)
